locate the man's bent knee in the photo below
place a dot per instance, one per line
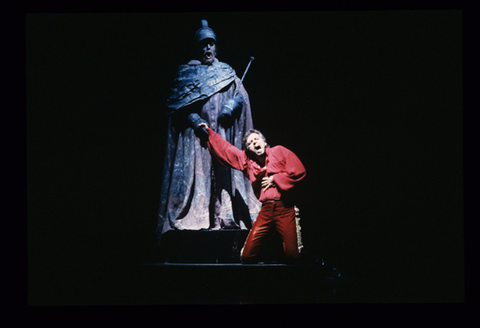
(247, 259)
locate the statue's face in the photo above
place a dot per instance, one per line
(208, 51)
(256, 144)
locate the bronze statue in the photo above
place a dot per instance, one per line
(198, 192)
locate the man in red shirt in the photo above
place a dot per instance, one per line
(273, 173)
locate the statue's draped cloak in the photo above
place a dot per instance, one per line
(198, 82)
(198, 192)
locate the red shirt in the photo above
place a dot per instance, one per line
(281, 163)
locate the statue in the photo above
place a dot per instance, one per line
(198, 193)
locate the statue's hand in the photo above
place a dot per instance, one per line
(226, 116)
(195, 122)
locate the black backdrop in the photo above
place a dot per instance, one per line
(371, 102)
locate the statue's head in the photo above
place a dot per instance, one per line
(205, 40)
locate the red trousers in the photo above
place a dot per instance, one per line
(272, 216)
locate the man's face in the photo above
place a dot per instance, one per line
(208, 51)
(256, 144)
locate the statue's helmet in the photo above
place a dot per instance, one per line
(205, 32)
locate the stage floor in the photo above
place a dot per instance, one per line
(226, 283)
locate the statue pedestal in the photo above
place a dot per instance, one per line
(213, 246)
(203, 246)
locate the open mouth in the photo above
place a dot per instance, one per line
(208, 54)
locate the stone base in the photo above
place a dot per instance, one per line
(211, 246)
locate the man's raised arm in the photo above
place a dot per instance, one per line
(225, 152)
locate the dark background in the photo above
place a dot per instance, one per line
(370, 101)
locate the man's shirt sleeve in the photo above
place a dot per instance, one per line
(293, 172)
(226, 153)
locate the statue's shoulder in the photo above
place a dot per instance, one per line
(185, 70)
(222, 65)
(195, 69)
(216, 63)
(225, 69)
